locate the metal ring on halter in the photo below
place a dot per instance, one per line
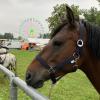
(76, 55)
(80, 43)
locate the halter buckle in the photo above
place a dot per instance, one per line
(73, 61)
(51, 70)
(80, 43)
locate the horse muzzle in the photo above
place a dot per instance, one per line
(32, 81)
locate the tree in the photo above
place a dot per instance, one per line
(98, 18)
(98, 1)
(8, 36)
(19, 38)
(92, 15)
(59, 15)
(1, 36)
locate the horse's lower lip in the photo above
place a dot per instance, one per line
(38, 84)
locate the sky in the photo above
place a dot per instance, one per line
(14, 12)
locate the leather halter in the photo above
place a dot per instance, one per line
(70, 60)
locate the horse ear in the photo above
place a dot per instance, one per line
(70, 15)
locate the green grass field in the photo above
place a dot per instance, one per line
(74, 86)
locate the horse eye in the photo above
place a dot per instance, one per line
(57, 43)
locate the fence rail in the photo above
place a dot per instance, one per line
(16, 82)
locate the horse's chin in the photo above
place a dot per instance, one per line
(38, 84)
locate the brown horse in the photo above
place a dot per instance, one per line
(75, 44)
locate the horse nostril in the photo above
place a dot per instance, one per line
(28, 77)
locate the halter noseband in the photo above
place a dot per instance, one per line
(71, 60)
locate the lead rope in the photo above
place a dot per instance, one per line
(52, 86)
(50, 91)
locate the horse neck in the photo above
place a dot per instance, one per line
(91, 67)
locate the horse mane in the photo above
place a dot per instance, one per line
(93, 41)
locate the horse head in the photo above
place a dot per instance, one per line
(61, 55)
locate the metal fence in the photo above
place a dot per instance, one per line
(16, 82)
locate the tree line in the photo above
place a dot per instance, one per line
(58, 15)
(6, 36)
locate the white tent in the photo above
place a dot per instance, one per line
(38, 41)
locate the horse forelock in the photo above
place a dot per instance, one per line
(57, 29)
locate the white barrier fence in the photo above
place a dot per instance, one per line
(17, 82)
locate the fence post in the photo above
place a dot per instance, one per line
(13, 90)
(28, 90)
(17, 82)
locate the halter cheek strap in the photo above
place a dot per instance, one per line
(70, 60)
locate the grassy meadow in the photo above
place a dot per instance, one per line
(74, 86)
